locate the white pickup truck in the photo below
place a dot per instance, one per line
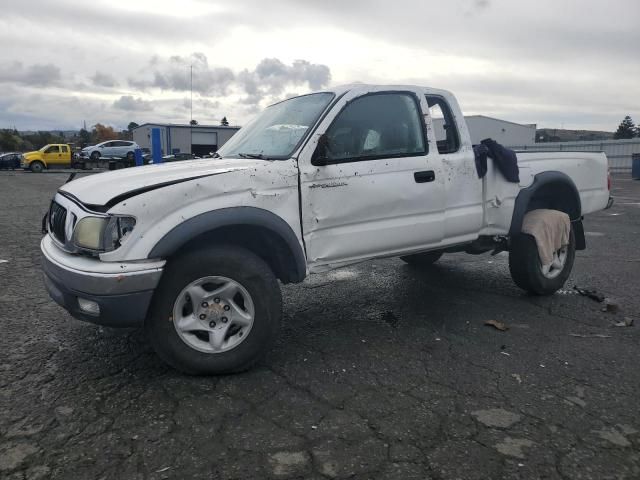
(193, 251)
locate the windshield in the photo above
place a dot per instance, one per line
(279, 129)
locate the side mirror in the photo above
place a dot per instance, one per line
(319, 157)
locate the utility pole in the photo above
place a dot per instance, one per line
(191, 119)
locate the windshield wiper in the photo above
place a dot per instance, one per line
(251, 155)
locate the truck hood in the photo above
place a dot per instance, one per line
(106, 188)
(33, 154)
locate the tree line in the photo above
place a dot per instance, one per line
(11, 140)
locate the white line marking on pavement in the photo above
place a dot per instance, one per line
(4, 261)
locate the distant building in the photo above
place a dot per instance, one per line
(502, 131)
(619, 152)
(175, 138)
(563, 135)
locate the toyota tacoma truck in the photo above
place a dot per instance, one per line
(194, 251)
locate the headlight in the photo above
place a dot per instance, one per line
(88, 233)
(102, 234)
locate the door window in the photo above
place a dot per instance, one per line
(64, 149)
(444, 125)
(384, 125)
(53, 149)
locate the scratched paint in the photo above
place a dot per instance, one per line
(234, 182)
(348, 212)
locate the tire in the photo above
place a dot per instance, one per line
(36, 166)
(526, 269)
(190, 351)
(422, 259)
(130, 156)
(95, 156)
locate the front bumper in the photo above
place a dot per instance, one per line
(123, 291)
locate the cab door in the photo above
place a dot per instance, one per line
(65, 155)
(371, 188)
(52, 155)
(463, 192)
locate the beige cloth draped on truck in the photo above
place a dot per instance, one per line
(551, 230)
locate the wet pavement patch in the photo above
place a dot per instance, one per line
(390, 319)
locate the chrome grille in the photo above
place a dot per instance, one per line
(57, 221)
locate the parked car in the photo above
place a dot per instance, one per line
(52, 155)
(10, 161)
(110, 149)
(194, 253)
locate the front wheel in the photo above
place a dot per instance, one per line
(528, 272)
(216, 310)
(36, 167)
(95, 156)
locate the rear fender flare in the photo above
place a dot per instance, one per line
(572, 207)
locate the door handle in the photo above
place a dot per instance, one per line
(424, 177)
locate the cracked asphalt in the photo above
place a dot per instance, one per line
(381, 371)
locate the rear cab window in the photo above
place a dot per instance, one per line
(444, 124)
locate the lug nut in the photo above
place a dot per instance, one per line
(216, 300)
(224, 319)
(205, 304)
(202, 316)
(227, 308)
(212, 324)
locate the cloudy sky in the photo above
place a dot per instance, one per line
(571, 63)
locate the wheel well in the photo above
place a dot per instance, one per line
(552, 190)
(260, 240)
(556, 196)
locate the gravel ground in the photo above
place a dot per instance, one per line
(381, 371)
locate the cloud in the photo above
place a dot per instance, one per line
(271, 77)
(102, 79)
(37, 75)
(519, 60)
(174, 74)
(128, 103)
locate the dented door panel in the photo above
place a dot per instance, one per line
(463, 208)
(368, 208)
